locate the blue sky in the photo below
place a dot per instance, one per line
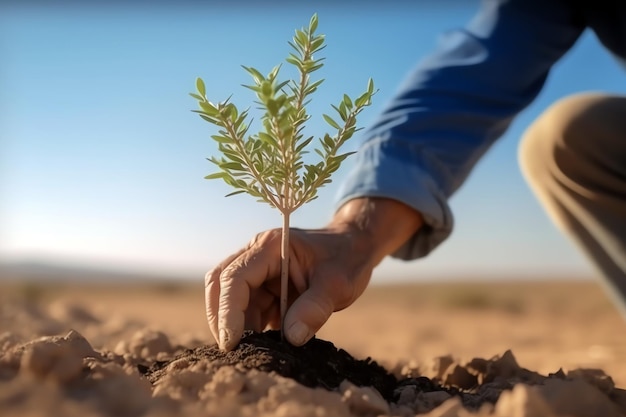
(102, 161)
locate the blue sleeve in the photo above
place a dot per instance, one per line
(454, 105)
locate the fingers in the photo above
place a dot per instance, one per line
(212, 292)
(243, 275)
(308, 314)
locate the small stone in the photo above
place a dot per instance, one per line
(577, 398)
(363, 400)
(459, 377)
(185, 385)
(522, 401)
(450, 408)
(120, 393)
(148, 343)
(226, 381)
(406, 395)
(505, 366)
(59, 358)
(596, 377)
(441, 365)
(433, 399)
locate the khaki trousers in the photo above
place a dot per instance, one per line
(574, 158)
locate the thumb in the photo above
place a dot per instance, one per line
(307, 315)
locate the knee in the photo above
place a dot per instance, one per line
(577, 127)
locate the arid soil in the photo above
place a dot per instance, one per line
(471, 349)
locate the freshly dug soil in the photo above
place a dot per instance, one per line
(316, 364)
(319, 364)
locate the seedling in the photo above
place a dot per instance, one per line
(269, 165)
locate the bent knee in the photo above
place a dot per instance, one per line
(588, 125)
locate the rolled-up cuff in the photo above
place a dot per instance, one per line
(388, 169)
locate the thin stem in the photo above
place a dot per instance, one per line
(284, 272)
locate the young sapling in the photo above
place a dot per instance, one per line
(269, 164)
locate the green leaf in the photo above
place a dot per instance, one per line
(342, 112)
(300, 38)
(208, 119)
(256, 75)
(200, 86)
(313, 23)
(221, 139)
(362, 100)
(331, 122)
(215, 176)
(280, 86)
(303, 145)
(232, 166)
(209, 108)
(342, 157)
(235, 193)
(317, 44)
(268, 139)
(197, 97)
(347, 102)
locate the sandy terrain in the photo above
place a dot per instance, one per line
(406, 328)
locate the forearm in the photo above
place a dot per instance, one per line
(377, 226)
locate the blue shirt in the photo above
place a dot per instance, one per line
(463, 97)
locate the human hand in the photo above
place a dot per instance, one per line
(328, 270)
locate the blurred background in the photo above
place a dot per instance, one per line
(102, 161)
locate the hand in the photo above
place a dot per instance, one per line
(329, 269)
(327, 273)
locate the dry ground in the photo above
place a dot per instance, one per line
(547, 325)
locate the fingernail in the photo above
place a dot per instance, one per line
(298, 333)
(224, 339)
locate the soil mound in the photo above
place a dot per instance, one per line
(316, 364)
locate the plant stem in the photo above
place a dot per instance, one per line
(284, 272)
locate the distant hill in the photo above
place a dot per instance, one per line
(43, 271)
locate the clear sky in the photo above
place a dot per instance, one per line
(102, 161)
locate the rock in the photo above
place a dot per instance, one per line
(433, 399)
(227, 381)
(363, 400)
(118, 392)
(596, 377)
(478, 365)
(440, 366)
(406, 395)
(402, 410)
(149, 343)
(185, 385)
(503, 367)
(450, 408)
(577, 398)
(312, 401)
(522, 401)
(59, 358)
(257, 385)
(458, 376)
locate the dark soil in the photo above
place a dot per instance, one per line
(316, 364)
(320, 364)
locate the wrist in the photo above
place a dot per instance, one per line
(377, 227)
